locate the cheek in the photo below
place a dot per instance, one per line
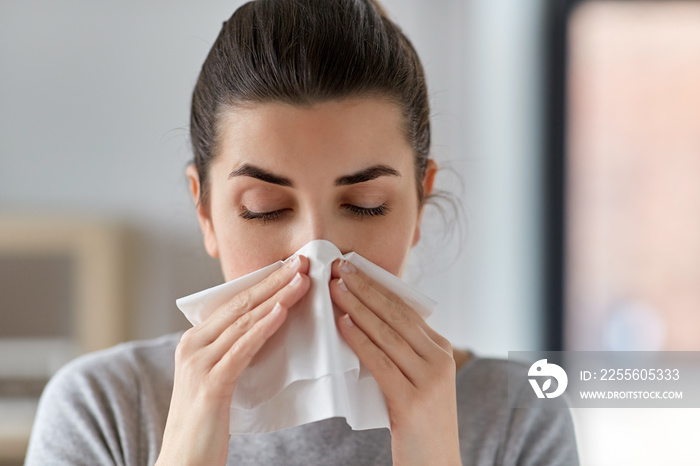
(389, 247)
(390, 260)
(244, 250)
(241, 258)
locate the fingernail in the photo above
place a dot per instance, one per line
(347, 267)
(348, 320)
(276, 309)
(294, 263)
(341, 285)
(296, 280)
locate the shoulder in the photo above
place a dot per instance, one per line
(93, 408)
(114, 383)
(482, 397)
(133, 353)
(494, 380)
(486, 380)
(537, 434)
(120, 366)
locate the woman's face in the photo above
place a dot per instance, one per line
(285, 175)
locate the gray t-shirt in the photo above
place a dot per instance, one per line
(110, 407)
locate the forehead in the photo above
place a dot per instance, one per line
(341, 134)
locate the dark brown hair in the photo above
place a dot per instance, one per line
(304, 52)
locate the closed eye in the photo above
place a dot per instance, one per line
(263, 216)
(367, 211)
(357, 211)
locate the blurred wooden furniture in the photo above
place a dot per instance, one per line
(61, 295)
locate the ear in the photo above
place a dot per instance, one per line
(428, 181)
(203, 214)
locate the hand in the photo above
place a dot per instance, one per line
(211, 356)
(412, 364)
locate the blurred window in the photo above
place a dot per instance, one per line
(633, 176)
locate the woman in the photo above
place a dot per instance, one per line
(310, 120)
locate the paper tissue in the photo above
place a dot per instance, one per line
(306, 372)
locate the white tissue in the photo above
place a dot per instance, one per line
(306, 372)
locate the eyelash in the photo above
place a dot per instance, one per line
(360, 212)
(263, 216)
(367, 211)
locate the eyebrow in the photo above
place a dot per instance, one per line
(367, 174)
(260, 174)
(361, 176)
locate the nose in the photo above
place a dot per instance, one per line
(315, 223)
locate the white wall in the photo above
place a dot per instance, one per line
(483, 60)
(93, 122)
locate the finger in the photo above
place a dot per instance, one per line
(234, 361)
(286, 297)
(349, 267)
(387, 374)
(385, 337)
(389, 308)
(250, 298)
